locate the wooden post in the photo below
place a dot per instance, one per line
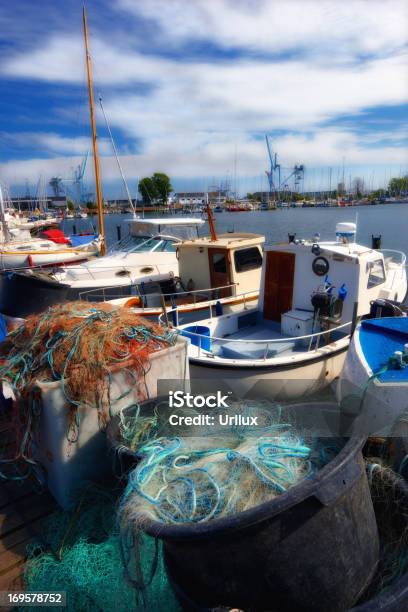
(211, 224)
(94, 143)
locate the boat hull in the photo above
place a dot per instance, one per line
(380, 402)
(11, 260)
(275, 382)
(23, 294)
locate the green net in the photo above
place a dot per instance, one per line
(81, 554)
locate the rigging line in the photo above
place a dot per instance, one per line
(117, 158)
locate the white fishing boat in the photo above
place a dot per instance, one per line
(312, 295)
(374, 379)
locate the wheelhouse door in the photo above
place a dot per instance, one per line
(220, 273)
(279, 280)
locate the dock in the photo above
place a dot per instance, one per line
(24, 508)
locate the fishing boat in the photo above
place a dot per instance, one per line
(374, 379)
(312, 295)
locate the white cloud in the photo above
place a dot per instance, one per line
(353, 26)
(194, 113)
(53, 143)
(321, 148)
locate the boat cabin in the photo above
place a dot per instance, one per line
(345, 277)
(159, 234)
(232, 262)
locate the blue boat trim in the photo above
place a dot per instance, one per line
(379, 339)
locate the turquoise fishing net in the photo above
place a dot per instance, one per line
(80, 553)
(222, 469)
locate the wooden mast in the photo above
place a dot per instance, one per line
(94, 142)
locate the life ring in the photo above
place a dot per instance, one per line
(30, 261)
(132, 302)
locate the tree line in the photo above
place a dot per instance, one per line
(155, 189)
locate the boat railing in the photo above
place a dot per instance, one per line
(260, 348)
(106, 294)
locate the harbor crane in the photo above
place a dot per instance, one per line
(274, 166)
(276, 184)
(78, 178)
(56, 182)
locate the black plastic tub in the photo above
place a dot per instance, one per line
(394, 598)
(314, 548)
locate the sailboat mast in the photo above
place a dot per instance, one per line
(6, 233)
(94, 142)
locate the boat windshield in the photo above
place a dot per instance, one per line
(182, 231)
(156, 244)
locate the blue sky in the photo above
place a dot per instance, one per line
(191, 88)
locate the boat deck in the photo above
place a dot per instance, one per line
(255, 342)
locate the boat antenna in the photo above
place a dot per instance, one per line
(211, 224)
(117, 159)
(94, 143)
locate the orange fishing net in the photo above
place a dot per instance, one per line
(82, 345)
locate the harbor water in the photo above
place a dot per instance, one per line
(389, 220)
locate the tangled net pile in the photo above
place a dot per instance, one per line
(193, 479)
(80, 553)
(82, 345)
(389, 493)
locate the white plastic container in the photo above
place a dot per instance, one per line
(298, 323)
(68, 466)
(346, 232)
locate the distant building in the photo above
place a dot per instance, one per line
(28, 203)
(196, 198)
(187, 198)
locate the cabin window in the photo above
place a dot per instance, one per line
(376, 274)
(247, 259)
(219, 263)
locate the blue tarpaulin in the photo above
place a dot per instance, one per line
(81, 240)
